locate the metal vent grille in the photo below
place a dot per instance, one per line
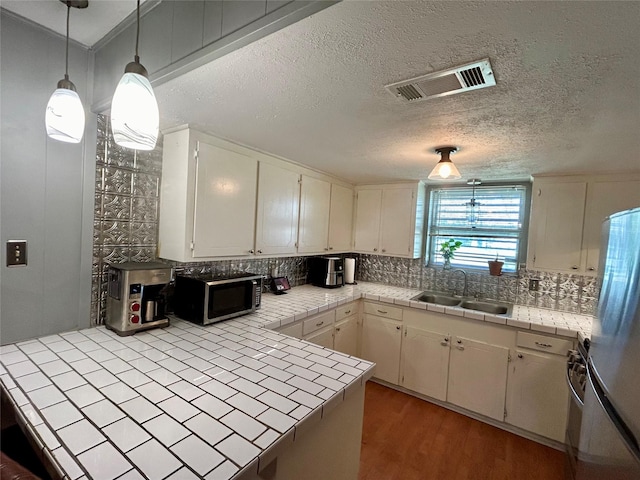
(472, 76)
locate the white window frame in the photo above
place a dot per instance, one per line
(435, 234)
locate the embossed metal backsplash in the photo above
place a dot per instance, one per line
(125, 224)
(569, 293)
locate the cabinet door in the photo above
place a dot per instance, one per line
(346, 336)
(225, 199)
(323, 338)
(555, 230)
(341, 219)
(603, 199)
(381, 339)
(367, 229)
(537, 394)
(278, 205)
(478, 377)
(425, 362)
(315, 196)
(396, 221)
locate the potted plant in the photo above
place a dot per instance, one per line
(447, 250)
(495, 267)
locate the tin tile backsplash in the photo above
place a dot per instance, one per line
(126, 229)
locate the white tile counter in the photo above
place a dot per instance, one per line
(200, 402)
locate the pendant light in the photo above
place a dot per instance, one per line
(134, 109)
(445, 169)
(473, 206)
(64, 117)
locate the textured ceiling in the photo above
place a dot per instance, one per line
(567, 97)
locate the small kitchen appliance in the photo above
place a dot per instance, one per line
(326, 272)
(210, 298)
(280, 285)
(136, 296)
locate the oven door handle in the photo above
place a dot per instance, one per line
(576, 397)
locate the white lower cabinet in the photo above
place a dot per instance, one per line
(381, 340)
(478, 376)
(323, 337)
(293, 330)
(425, 362)
(537, 394)
(346, 336)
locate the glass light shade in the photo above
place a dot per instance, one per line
(473, 209)
(134, 113)
(444, 170)
(64, 118)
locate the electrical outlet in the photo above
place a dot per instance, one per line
(534, 284)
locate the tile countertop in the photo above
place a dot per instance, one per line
(200, 402)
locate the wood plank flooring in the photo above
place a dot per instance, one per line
(405, 438)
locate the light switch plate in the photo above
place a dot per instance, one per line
(16, 253)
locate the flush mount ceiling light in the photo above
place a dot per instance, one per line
(64, 118)
(134, 109)
(473, 206)
(445, 169)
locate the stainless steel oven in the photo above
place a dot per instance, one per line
(577, 379)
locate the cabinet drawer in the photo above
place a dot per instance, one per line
(343, 311)
(318, 322)
(383, 311)
(544, 343)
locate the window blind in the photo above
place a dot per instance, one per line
(497, 231)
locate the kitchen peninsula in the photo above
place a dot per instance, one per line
(231, 400)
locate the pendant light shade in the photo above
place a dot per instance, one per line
(473, 206)
(134, 109)
(64, 117)
(445, 169)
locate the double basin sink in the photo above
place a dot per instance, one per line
(486, 306)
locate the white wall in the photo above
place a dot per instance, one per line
(46, 187)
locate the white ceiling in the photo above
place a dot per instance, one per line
(86, 25)
(567, 97)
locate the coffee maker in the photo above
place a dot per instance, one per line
(326, 272)
(136, 296)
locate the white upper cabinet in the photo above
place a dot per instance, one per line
(315, 200)
(566, 219)
(207, 202)
(341, 219)
(390, 219)
(225, 204)
(277, 215)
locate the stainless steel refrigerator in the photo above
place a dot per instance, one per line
(610, 432)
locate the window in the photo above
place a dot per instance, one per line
(500, 228)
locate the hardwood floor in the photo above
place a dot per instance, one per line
(405, 438)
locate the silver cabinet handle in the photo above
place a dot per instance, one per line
(382, 311)
(347, 312)
(320, 324)
(544, 345)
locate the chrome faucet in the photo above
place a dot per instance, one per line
(465, 291)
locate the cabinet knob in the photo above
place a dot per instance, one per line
(519, 355)
(337, 329)
(326, 249)
(252, 252)
(460, 341)
(398, 327)
(375, 249)
(574, 268)
(259, 251)
(446, 339)
(330, 248)
(384, 250)
(591, 269)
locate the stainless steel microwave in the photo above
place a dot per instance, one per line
(207, 299)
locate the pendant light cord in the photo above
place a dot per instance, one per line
(137, 58)
(66, 62)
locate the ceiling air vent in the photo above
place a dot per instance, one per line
(438, 84)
